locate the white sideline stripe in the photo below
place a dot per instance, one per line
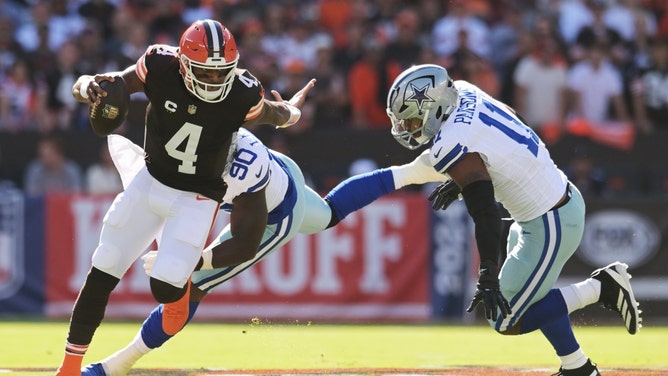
(293, 311)
(644, 288)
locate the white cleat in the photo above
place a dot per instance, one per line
(617, 295)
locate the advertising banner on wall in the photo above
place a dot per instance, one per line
(21, 253)
(395, 260)
(633, 231)
(372, 266)
(12, 264)
(452, 256)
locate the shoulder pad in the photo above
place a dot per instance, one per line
(162, 49)
(446, 150)
(157, 58)
(250, 92)
(245, 78)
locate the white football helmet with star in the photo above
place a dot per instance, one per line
(419, 100)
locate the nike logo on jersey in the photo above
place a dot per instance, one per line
(259, 172)
(438, 153)
(201, 198)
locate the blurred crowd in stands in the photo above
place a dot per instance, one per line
(594, 68)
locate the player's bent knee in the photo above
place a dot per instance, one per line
(174, 272)
(164, 292)
(106, 258)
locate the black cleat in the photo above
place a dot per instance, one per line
(588, 369)
(617, 295)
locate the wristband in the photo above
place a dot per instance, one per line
(295, 114)
(207, 256)
(83, 91)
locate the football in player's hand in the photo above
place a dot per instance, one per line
(110, 113)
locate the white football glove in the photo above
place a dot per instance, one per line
(149, 261)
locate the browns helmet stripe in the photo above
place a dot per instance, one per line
(214, 37)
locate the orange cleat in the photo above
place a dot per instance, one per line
(71, 365)
(68, 371)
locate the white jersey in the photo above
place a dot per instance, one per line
(526, 180)
(255, 167)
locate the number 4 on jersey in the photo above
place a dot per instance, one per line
(250, 82)
(190, 133)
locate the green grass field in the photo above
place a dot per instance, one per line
(36, 348)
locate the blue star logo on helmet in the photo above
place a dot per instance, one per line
(419, 96)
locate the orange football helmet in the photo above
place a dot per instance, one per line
(207, 44)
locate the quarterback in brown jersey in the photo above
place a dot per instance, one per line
(198, 98)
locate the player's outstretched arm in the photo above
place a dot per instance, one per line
(299, 98)
(248, 220)
(282, 113)
(359, 191)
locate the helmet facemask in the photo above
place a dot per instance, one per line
(409, 132)
(419, 101)
(208, 92)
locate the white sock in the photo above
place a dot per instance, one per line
(574, 360)
(581, 294)
(120, 362)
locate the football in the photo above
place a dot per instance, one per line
(110, 113)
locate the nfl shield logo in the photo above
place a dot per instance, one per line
(192, 109)
(110, 112)
(11, 241)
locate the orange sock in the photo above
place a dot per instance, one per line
(175, 314)
(71, 365)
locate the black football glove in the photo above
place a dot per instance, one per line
(444, 195)
(489, 294)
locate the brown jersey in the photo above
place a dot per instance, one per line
(186, 139)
